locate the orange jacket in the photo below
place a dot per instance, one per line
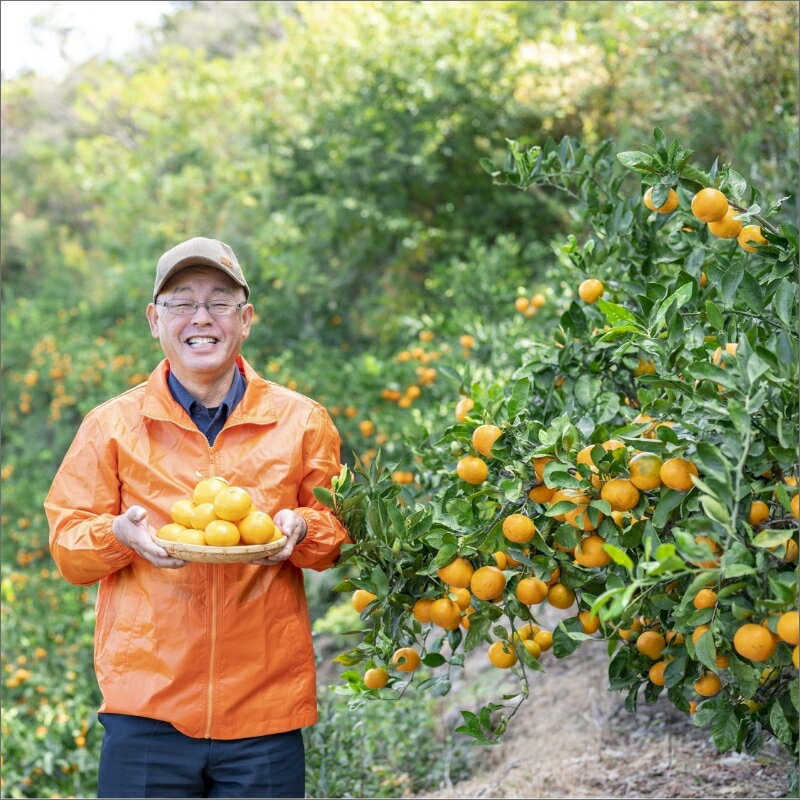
(219, 651)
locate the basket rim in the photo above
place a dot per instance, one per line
(208, 550)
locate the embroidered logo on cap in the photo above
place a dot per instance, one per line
(226, 261)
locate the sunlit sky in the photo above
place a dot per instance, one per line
(101, 27)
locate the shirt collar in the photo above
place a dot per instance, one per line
(186, 400)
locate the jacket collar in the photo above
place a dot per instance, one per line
(256, 407)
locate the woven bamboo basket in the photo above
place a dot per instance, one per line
(204, 554)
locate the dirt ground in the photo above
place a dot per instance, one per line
(572, 738)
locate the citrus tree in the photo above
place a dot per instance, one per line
(635, 465)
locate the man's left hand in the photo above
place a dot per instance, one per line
(294, 528)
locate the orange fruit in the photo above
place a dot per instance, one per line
(462, 596)
(207, 489)
(376, 678)
(590, 553)
(645, 471)
(621, 494)
(362, 598)
(484, 437)
(531, 591)
(759, 512)
(521, 304)
(789, 627)
(466, 340)
(656, 673)
(181, 512)
(698, 632)
(670, 204)
(472, 469)
(502, 655)
(232, 503)
(727, 227)
(748, 235)
(202, 515)
(487, 583)
(705, 598)
(796, 656)
(541, 494)
(422, 609)
(713, 546)
(754, 642)
(651, 644)
(730, 348)
(445, 613)
(518, 528)
(589, 622)
(794, 504)
(674, 636)
(554, 576)
(538, 300)
(367, 427)
(500, 559)
(169, 531)
(722, 661)
(221, 533)
(539, 463)
(457, 573)
(190, 536)
(560, 596)
(426, 336)
(405, 659)
(256, 527)
(708, 685)
(591, 290)
(532, 647)
(463, 407)
(465, 617)
(675, 474)
(709, 205)
(581, 499)
(527, 631)
(645, 366)
(544, 639)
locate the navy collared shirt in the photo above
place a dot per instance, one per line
(208, 420)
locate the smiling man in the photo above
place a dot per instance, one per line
(206, 670)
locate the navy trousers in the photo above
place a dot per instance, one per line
(142, 757)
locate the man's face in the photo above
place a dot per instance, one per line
(200, 346)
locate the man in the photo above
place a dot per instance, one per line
(206, 670)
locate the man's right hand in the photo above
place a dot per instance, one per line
(133, 530)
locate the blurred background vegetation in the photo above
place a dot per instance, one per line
(337, 148)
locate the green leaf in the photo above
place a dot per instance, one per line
(714, 316)
(750, 291)
(616, 314)
(324, 496)
(780, 725)
(783, 302)
(679, 297)
(669, 500)
(730, 282)
(725, 729)
(619, 556)
(706, 652)
(715, 510)
(433, 660)
(520, 396)
(636, 160)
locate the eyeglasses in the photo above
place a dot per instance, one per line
(217, 308)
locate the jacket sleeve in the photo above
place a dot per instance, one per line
(81, 505)
(320, 548)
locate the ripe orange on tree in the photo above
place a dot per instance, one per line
(651, 644)
(531, 591)
(445, 613)
(484, 437)
(748, 235)
(705, 598)
(656, 672)
(473, 470)
(713, 546)
(518, 528)
(463, 407)
(754, 642)
(670, 204)
(727, 227)
(457, 573)
(590, 553)
(376, 678)
(591, 290)
(560, 596)
(759, 512)
(708, 685)
(487, 583)
(675, 474)
(709, 205)
(367, 427)
(788, 627)
(502, 655)
(405, 659)
(645, 471)
(462, 597)
(532, 647)
(589, 622)
(362, 598)
(422, 609)
(620, 493)
(698, 632)
(539, 463)
(544, 639)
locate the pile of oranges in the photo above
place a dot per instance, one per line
(218, 515)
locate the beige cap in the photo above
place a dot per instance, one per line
(199, 252)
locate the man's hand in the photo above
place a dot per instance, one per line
(294, 528)
(133, 530)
